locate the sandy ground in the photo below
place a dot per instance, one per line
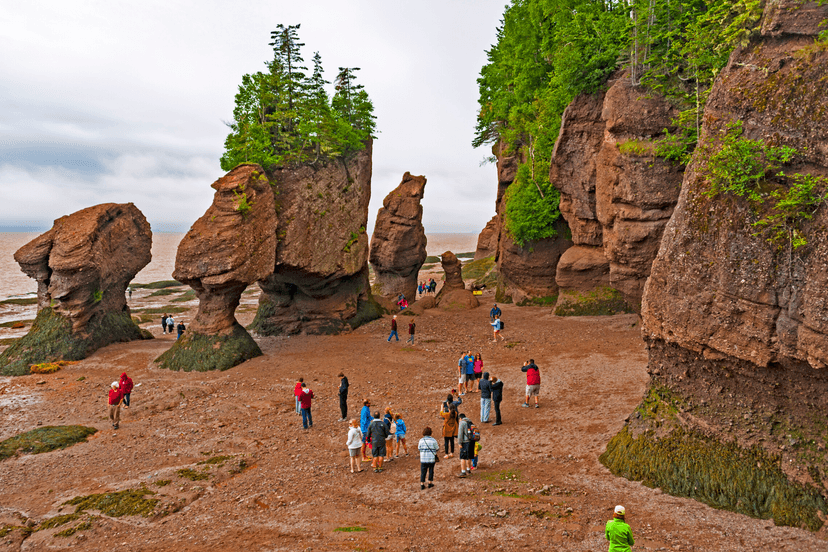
(539, 485)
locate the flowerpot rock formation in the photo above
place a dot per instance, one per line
(230, 247)
(319, 282)
(83, 266)
(398, 245)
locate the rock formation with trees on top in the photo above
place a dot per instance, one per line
(230, 247)
(398, 245)
(83, 266)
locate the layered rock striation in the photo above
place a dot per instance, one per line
(398, 245)
(735, 317)
(230, 247)
(83, 266)
(319, 282)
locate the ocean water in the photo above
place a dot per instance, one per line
(13, 283)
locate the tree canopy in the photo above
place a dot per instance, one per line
(549, 51)
(283, 116)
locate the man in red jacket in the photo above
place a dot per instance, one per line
(125, 386)
(115, 398)
(305, 402)
(532, 382)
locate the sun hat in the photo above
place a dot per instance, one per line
(619, 510)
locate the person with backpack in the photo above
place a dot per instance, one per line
(497, 396)
(170, 324)
(497, 325)
(532, 382)
(466, 444)
(429, 457)
(377, 433)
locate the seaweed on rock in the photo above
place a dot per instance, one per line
(199, 352)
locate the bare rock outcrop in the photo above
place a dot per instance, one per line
(736, 320)
(83, 266)
(230, 247)
(530, 271)
(487, 240)
(319, 283)
(398, 245)
(582, 268)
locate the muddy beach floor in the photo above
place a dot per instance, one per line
(263, 483)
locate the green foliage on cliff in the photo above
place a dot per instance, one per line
(549, 51)
(44, 439)
(284, 116)
(748, 169)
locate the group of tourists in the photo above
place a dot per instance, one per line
(168, 325)
(469, 371)
(380, 434)
(119, 394)
(427, 287)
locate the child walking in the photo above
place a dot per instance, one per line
(400, 435)
(477, 447)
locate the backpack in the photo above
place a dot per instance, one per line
(502, 325)
(474, 434)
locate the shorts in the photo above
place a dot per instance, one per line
(478, 375)
(400, 436)
(467, 451)
(378, 450)
(462, 378)
(533, 390)
(354, 452)
(470, 377)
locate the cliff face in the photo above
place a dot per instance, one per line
(82, 266)
(616, 195)
(737, 324)
(320, 279)
(398, 246)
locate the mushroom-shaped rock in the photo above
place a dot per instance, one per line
(82, 266)
(398, 246)
(232, 246)
(319, 284)
(454, 272)
(453, 294)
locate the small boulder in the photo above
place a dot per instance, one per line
(458, 299)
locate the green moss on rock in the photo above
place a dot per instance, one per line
(44, 439)
(722, 475)
(603, 301)
(130, 502)
(51, 339)
(368, 309)
(198, 352)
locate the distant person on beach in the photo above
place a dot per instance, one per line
(494, 313)
(125, 386)
(394, 328)
(497, 325)
(305, 400)
(411, 327)
(129, 290)
(485, 398)
(432, 286)
(429, 448)
(115, 398)
(181, 327)
(343, 396)
(364, 422)
(449, 430)
(478, 369)
(170, 324)
(164, 323)
(532, 382)
(497, 397)
(297, 391)
(377, 433)
(420, 288)
(354, 444)
(400, 434)
(618, 533)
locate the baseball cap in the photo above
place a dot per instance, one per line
(619, 510)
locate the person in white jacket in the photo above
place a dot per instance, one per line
(354, 444)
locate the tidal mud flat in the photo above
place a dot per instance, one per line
(230, 466)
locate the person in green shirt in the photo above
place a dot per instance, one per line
(618, 533)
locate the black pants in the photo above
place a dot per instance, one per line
(343, 404)
(449, 442)
(497, 411)
(426, 467)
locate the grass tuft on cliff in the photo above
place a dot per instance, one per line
(604, 301)
(44, 439)
(202, 353)
(50, 339)
(130, 502)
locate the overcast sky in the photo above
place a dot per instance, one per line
(110, 101)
